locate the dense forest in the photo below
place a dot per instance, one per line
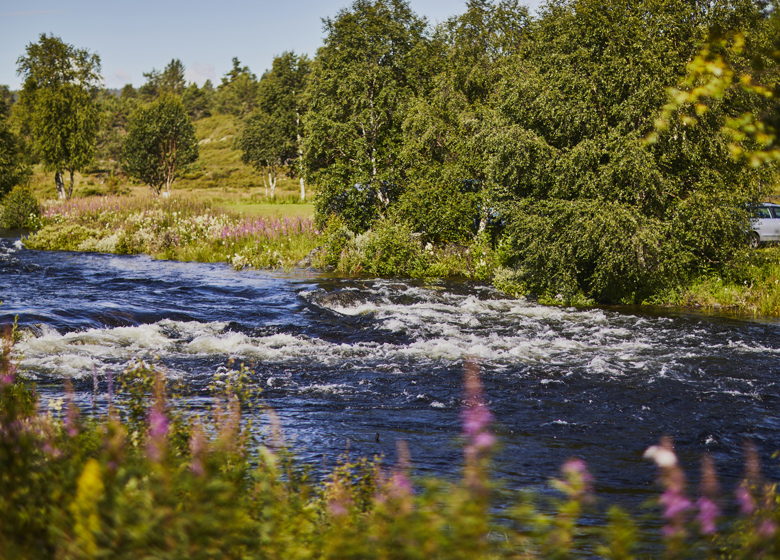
(563, 139)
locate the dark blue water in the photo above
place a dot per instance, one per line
(342, 360)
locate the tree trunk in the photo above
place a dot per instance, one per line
(303, 191)
(70, 190)
(272, 181)
(60, 184)
(265, 184)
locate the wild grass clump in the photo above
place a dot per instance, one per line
(173, 228)
(751, 284)
(150, 480)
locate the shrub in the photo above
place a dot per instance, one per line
(390, 249)
(20, 209)
(566, 249)
(358, 205)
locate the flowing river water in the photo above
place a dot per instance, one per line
(344, 360)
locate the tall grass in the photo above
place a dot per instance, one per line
(174, 228)
(751, 284)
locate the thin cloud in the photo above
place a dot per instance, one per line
(199, 73)
(122, 76)
(31, 13)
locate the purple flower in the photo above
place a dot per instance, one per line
(476, 417)
(158, 424)
(708, 514)
(767, 528)
(747, 505)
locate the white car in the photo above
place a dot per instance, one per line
(766, 224)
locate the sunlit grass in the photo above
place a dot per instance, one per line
(180, 227)
(751, 285)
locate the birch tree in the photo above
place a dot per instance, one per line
(57, 106)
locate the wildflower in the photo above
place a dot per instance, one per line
(72, 416)
(197, 448)
(747, 505)
(708, 509)
(673, 499)
(476, 419)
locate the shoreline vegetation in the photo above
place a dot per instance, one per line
(187, 228)
(149, 479)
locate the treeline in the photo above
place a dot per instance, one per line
(551, 137)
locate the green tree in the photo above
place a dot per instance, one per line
(447, 169)
(13, 170)
(160, 143)
(735, 59)
(271, 136)
(57, 106)
(169, 81)
(590, 209)
(198, 100)
(237, 94)
(373, 61)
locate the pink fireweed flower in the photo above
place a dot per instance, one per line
(72, 416)
(672, 479)
(578, 482)
(707, 506)
(767, 528)
(158, 430)
(708, 514)
(476, 419)
(747, 505)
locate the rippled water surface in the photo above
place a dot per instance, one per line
(345, 359)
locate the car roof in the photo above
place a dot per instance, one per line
(769, 204)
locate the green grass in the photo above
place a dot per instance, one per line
(751, 285)
(273, 210)
(179, 228)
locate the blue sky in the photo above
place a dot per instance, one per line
(135, 36)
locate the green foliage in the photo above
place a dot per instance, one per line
(271, 136)
(65, 237)
(739, 60)
(114, 115)
(160, 143)
(198, 100)
(442, 213)
(13, 170)
(174, 228)
(148, 480)
(373, 61)
(57, 107)
(237, 94)
(20, 209)
(391, 248)
(168, 82)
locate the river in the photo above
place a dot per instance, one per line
(344, 360)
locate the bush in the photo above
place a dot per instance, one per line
(390, 249)
(20, 210)
(569, 249)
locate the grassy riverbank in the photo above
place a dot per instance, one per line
(188, 227)
(176, 228)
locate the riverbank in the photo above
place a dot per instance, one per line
(187, 228)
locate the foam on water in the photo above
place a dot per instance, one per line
(438, 327)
